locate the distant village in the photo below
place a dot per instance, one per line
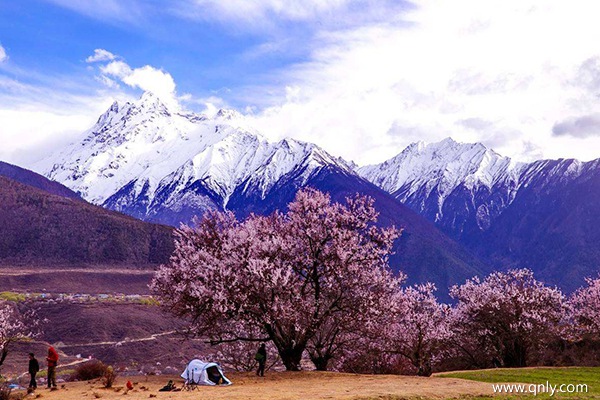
(78, 298)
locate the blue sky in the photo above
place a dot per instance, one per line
(55, 39)
(361, 78)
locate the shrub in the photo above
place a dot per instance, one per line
(109, 377)
(5, 391)
(148, 301)
(89, 370)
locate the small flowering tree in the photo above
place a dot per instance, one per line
(420, 328)
(506, 316)
(585, 310)
(12, 328)
(296, 279)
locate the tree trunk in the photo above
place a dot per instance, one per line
(515, 355)
(320, 363)
(3, 354)
(423, 365)
(425, 370)
(291, 357)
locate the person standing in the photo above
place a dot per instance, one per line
(34, 368)
(261, 357)
(52, 360)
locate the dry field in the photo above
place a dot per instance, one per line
(288, 386)
(90, 280)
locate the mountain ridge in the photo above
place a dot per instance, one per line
(539, 215)
(167, 166)
(52, 230)
(31, 178)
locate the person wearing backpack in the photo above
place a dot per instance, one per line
(261, 357)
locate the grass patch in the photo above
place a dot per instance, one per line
(148, 301)
(589, 376)
(13, 296)
(43, 373)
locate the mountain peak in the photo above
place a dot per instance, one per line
(228, 114)
(151, 101)
(114, 106)
(448, 141)
(140, 150)
(148, 95)
(415, 147)
(442, 166)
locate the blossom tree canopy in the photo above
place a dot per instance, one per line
(420, 328)
(292, 278)
(507, 315)
(585, 309)
(12, 328)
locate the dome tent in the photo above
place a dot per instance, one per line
(204, 373)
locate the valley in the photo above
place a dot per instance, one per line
(100, 311)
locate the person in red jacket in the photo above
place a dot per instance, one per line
(52, 360)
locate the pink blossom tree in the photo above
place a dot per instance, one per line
(297, 279)
(420, 327)
(585, 310)
(12, 328)
(506, 316)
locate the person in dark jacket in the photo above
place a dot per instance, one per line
(52, 361)
(34, 368)
(261, 357)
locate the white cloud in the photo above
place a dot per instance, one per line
(379, 76)
(153, 80)
(146, 78)
(30, 135)
(269, 15)
(251, 10)
(100, 55)
(118, 69)
(37, 120)
(41, 113)
(3, 55)
(111, 83)
(522, 65)
(581, 127)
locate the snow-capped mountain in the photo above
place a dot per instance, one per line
(541, 215)
(442, 166)
(159, 165)
(461, 187)
(142, 159)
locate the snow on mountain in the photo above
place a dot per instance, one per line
(158, 164)
(141, 156)
(461, 187)
(443, 166)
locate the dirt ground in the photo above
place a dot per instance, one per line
(288, 386)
